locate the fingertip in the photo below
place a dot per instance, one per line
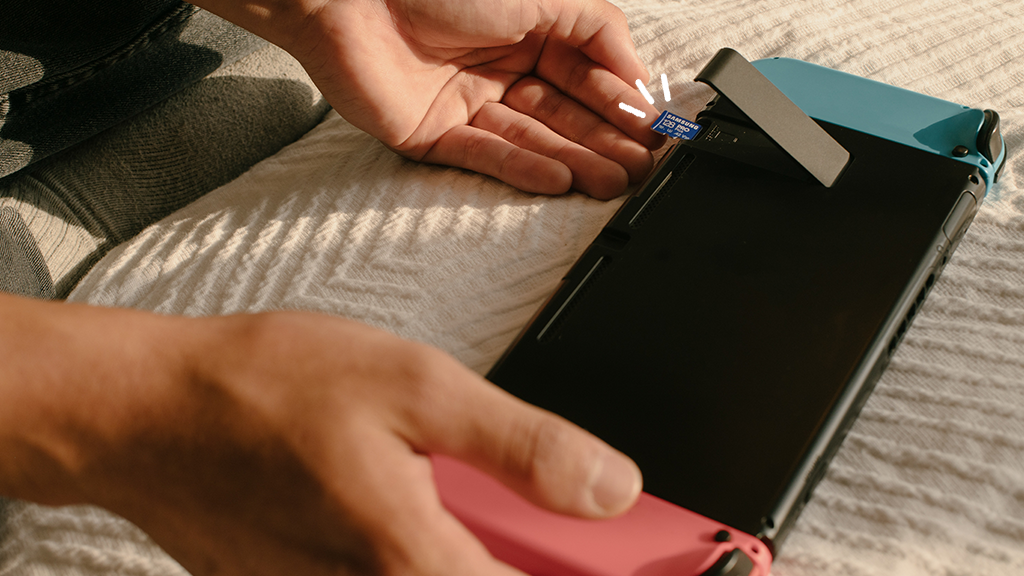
(656, 142)
(606, 179)
(625, 63)
(638, 67)
(640, 170)
(643, 68)
(650, 139)
(481, 151)
(615, 484)
(548, 176)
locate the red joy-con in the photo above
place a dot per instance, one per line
(655, 538)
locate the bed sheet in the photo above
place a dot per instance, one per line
(930, 480)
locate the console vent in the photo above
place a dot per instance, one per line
(555, 324)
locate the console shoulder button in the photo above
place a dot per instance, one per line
(732, 563)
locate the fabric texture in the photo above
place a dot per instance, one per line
(40, 41)
(930, 480)
(22, 268)
(80, 203)
(73, 69)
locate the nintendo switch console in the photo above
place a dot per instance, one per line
(727, 325)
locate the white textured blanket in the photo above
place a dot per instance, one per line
(929, 482)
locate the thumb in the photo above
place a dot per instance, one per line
(559, 466)
(599, 29)
(545, 458)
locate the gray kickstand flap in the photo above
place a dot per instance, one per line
(736, 79)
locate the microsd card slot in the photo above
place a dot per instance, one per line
(555, 323)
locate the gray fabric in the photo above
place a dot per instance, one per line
(5, 513)
(22, 269)
(72, 69)
(43, 39)
(82, 202)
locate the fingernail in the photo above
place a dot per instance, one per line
(615, 483)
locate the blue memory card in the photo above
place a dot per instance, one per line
(675, 126)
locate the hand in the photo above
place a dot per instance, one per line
(526, 91)
(285, 443)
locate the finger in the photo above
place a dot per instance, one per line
(550, 461)
(481, 151)
(571, 72)
(389, 493)
(398, 504)
(470, 88)
(568, 118)
(592, 173)
(600, 30)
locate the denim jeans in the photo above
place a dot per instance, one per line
(72, 69)
(94, 152)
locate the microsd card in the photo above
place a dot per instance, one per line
(675, 126)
